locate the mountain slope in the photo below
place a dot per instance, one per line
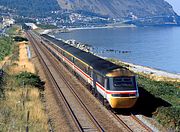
(31, 8)
(138, 12)
(120, 8)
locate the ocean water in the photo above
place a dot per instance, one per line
(156, 47)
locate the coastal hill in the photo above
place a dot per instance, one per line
(87, 12)
(120, 8)
(31, 8)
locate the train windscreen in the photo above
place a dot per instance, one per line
(122, 83)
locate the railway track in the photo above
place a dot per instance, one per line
(93, 124)
(131, 123)
(78, 124)
(141, 123)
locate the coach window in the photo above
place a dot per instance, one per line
(69, 57)
(107, 84)
(100, 79)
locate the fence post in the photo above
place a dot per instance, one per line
(27, 121)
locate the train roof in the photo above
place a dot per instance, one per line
(99, 64)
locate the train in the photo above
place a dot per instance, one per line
(115, 84)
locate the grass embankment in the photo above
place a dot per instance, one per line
(14, 30)
(6, 46)
(165, 90)
(21, 107)
(168, 91)
(21, 92)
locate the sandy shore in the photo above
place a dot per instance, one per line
(103, 27)
(60, 30)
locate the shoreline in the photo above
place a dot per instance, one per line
(149, 72)
(103, 27)
(67, 30)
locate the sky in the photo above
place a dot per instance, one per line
(176, 5)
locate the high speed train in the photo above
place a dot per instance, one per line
(115, 84)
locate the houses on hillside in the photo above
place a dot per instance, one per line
(6, 22)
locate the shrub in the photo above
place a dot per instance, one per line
(26, 78)
(13, 30)
(5, 47)
(169, 117)
(19, 39)
(165, 90)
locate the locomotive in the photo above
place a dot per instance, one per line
(115, 84)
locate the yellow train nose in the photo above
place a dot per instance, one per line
(122, 102)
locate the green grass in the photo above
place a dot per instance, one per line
(169, 117)
(46, 26)
(6, 47)
(167, 91)
(14, 30)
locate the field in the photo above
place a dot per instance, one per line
(21, 90)
(20, 106)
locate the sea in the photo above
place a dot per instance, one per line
(155, 47)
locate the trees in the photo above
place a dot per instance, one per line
(31, 8)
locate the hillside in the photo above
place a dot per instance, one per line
(92, 12)
(120, 8)
(110, 8)
(31, 8)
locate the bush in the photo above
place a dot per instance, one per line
(169, 117)
(26, 78)
(20, 39)
(13, 30)
(5, 47)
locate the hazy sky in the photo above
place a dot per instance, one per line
(176, 5)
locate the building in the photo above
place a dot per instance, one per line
(30, 26)
(7, 21)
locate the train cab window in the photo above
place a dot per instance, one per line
(122, 83)
(119, 82)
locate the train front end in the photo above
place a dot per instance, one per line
(122, 89)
